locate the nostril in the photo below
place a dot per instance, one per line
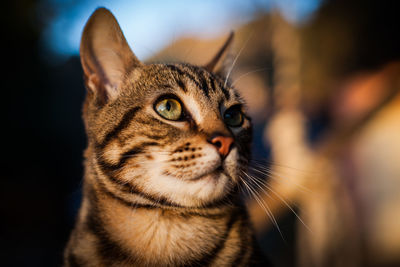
(218, 144)
(223, 144)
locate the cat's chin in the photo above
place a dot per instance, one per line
(211, 176)
(211, 187)
(196, 191)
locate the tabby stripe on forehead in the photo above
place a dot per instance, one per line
(204, 86)
(201, 76)
(212, 83)
(211, 80)
(124, 123)
(223, 89)
(184, 73)
(182, 85)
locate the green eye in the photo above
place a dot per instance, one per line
(169, 109)
(233, 116)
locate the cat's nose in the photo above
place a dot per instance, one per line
(223, 144)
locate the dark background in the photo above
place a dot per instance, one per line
(42, 144)
(43, 136)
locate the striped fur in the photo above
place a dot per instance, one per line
(156, 192)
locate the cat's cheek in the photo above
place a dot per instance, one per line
(231, 165)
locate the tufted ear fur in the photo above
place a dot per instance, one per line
(218, 62)
(105, 55)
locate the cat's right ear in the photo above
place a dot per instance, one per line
(105, 55)
(218, 63)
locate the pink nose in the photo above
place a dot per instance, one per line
(223, 144)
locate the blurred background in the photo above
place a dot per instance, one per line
(321, 80)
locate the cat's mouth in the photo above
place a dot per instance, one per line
(214, 174)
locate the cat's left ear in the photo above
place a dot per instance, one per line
(105, 55)
(218, 63)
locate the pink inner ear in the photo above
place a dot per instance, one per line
(92, 82)
(94, 86)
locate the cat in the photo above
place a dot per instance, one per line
(167, 148)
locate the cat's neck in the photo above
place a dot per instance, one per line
(146, 233)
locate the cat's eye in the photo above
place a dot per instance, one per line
(169, 109)
(233, 116)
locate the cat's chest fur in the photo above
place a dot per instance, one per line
(154, 236)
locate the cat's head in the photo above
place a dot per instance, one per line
(172, 133)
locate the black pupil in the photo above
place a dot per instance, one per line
(231, 114)
(168, 106)
(233, 117)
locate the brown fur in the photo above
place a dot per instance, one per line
(156, 191)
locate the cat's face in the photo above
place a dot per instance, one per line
(172, 134)
(157, 134)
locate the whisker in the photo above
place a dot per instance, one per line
(278, 171)
(287, 204)
(261, 183)
(278, 177)
(247, 73)
(262, 163)
(260, 202)
(236, 58)
(263, 205)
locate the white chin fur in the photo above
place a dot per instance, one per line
(204, 186)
